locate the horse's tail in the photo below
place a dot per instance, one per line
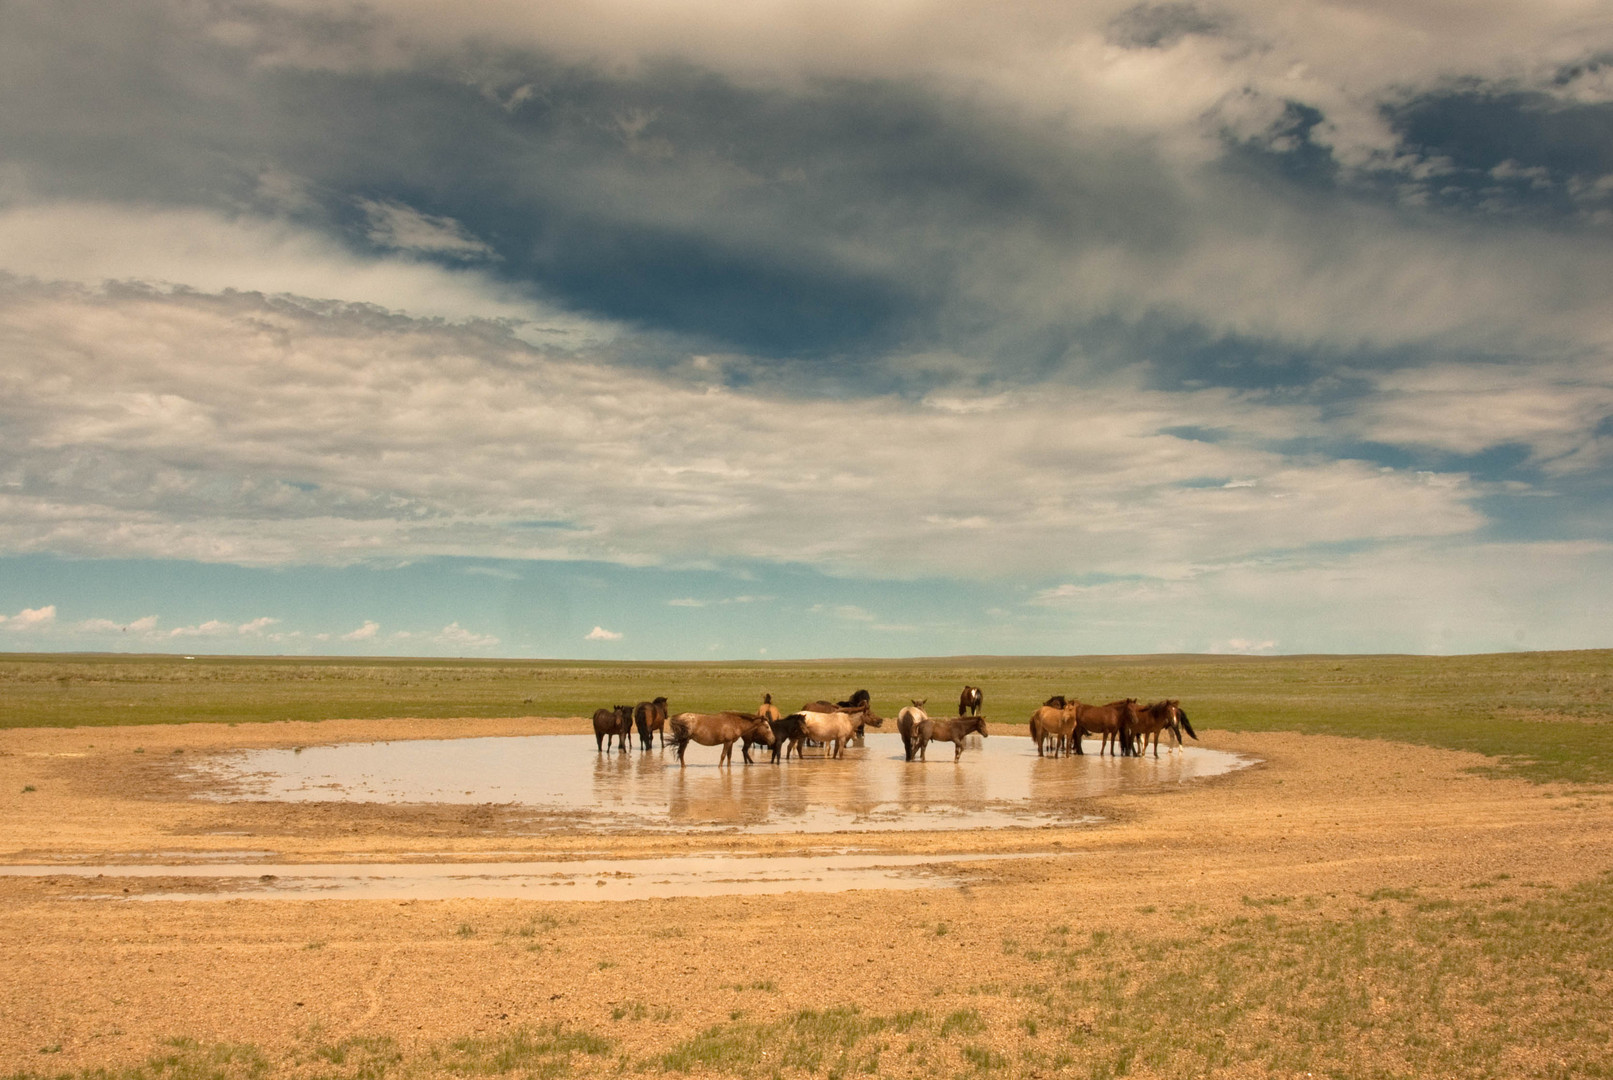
(1182, 716)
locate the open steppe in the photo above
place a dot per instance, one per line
(1415, 880)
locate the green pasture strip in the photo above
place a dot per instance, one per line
(1546, 716)
(1401, 985)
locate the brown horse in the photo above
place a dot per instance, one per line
(953, 731)
(908, 719)
(726, 728)
(650, 716)
(1161, 716)
(767, 710)
(612, 723)
(1112, 722)
(1053, 724)
(970, 700)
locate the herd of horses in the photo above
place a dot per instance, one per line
(1057, 726)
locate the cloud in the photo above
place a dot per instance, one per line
(257, 626)
(599, 633)
(394, 225)
(363, 633)
(1244, 647)
(29, 619)
(457, 636)
(210, 628)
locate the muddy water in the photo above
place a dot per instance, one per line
(999, 783)
(581, 879)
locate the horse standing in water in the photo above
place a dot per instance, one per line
(1113, 723)
(970, 700)
(907, 720)
(650, 716)
(1053, 724)
(724, 728)
(953, 731)
(612, 723)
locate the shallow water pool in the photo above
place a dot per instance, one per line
(999, 782)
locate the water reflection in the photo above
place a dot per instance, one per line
(1000, 783)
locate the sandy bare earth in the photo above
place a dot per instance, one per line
(103, 977)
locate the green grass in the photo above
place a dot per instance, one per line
(1544, 716)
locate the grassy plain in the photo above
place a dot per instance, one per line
(1544, 715)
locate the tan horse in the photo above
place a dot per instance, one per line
(954, 731)
(612, 723)
(712, 729)
(650, 716)
(767, 710)
(908, 719)
(1053, 724)
(1112, 723)
(838, 728)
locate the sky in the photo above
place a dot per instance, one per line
(644, 329)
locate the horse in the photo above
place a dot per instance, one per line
(1161, 716)
(858, 706)
(650, 716)
(952, 731)
(829, 727)
(767, 710)
(1112, 722)
(909, 718)
(1055, 724)
(709, 729)
(612, 723)
(788, 735)
(970, 700)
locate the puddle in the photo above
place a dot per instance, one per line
(585, 879)
(999, 783)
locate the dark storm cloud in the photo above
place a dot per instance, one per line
(834, 220)
(1514, 152)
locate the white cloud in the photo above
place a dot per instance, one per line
(363, 633)
(1244, 646)
(599, 633)
(457, 636)
(257, 626)
(210, 628)
(27, 619)
(394, 225)
(336, 440)
(91, 243)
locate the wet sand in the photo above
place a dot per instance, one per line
(100, 981)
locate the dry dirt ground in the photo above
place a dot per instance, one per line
(103, 980)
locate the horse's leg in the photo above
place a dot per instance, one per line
(957, 748)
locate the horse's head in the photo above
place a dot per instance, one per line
(918, 703)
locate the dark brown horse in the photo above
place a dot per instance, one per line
(970, 700)
(612, 723)
(1161, 716)
(650, 716)
(953, 731)
(1112, 723)
(789, 734)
